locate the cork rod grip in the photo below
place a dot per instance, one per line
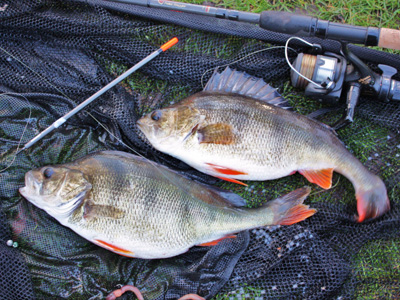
(389, 38)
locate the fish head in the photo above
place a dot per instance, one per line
(169, 127)
(57, 190)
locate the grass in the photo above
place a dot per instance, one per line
(246, 292)
(149, 93)
(378, 13)
(377, 265)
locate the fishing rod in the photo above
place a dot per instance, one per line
(89, 100)
(289, 23)
(323, 75)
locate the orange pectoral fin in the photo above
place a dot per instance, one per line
(113, 248)
(213, 243)
(321, 177)
(219, 133)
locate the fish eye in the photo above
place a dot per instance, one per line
(156, 115)
(48, 172)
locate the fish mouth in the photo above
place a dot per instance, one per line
(31, 187)
(144, 128)
(23, 191)
(140, 123)
(151, 132)
(31, 190)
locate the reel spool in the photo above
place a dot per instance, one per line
(326, 73)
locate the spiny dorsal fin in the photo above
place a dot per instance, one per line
(232, 81)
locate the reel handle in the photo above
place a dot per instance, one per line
(387, 88)
(352, 96)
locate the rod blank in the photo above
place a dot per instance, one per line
(289, 23)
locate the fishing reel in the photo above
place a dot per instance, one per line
(324, 76)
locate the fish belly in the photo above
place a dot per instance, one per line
(131, 244)
(268, 142)
(248, 164)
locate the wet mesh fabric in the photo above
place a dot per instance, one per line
(55, 54)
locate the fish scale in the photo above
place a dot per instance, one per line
(137, 208)
(113, 186)
(258, 144)
(234, 136)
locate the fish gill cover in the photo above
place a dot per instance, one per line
(55, 54)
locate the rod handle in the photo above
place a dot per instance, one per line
(285, 22)
(302, 25)
(389, 38)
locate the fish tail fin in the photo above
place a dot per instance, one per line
(290, 209)
(372, 202)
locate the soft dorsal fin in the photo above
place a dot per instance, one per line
(232, 81)
(218, 197)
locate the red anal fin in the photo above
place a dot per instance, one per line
(213, 243)
(225, 170)
(231, 180)
(321, 177)
(113, 248)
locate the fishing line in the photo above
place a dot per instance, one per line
(106, 129)
(290, 65)
(23, 131)
(36, 73)
(153, 164)
(240, 59)
(323, 190)
(30, 107)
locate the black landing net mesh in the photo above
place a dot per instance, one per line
(55, 54)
